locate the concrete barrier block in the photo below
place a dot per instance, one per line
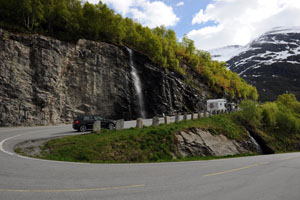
(155, 121)
(199, 115)
(120, 124)
(167, 119)
(184, 117)
(97, 126)
(177, 118)
(139, 123)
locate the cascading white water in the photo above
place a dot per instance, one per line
(257, 147)
(137, 85)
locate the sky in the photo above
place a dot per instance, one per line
(211, 23)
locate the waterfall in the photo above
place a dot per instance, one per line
(257, 147)
(137, 85)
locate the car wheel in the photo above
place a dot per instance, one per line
(111, 126)
(82, 128)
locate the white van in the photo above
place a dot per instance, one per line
(216, 105)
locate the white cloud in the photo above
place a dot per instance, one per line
(121, 6)
(240, 21)
(154, 14)
(181, 3)
(148, 13)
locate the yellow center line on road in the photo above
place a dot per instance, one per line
(247, 167)
(76, 190)
(232, 170)
(264, 163)
(291, 157)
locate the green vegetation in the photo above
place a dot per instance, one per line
(71, 20)
(150, 144)
(277, 122)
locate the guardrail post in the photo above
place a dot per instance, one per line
(192, 116)
(155, 121)
(120, 124)
(199, 115)
(176, 118)
(167, 120)
(184, 117)
(139, 123)
(97, 126)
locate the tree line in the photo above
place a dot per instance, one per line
(279, 120)
(71, 20)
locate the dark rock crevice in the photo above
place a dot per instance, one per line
(266, 149)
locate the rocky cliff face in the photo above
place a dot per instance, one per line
(198, 142)
(47, 81)
(271, 63)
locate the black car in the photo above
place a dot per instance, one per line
(85, 122)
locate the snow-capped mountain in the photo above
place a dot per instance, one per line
(271, 63)
(225, 53)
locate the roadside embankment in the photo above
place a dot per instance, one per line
(212, 136)
(274, 125)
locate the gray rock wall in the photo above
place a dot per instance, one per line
(198, 142)
(47, 81)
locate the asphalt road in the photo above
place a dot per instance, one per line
(270, 177)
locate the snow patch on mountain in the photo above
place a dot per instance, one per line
(284, 30)
(280, 45)
(225, 53)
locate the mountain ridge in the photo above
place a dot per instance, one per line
(225, 53)
(271, 63)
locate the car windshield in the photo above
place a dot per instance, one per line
(98, 118)
(86, 118)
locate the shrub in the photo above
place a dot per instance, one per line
(288, 102)
(251, 112)
(287, 122)
(269, 112)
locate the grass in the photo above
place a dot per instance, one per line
(19, 151)
(150, 144)
(281, 141)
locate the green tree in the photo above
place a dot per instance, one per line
(251, 112)
(75, 19)
(269, 113)
(32, 13)
(188, 44)
(287, 122)
(91, 24)
(289, 102)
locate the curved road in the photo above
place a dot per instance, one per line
(271, 177)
